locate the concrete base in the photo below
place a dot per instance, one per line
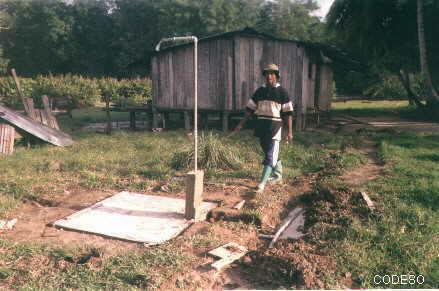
(135, 217)
(194, 191)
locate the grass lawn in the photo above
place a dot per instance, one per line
(400, 238)
(403, 238)
(384, 108)
(371, 108)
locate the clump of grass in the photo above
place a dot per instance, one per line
(213, 153)
(33, 266)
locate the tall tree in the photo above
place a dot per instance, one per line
(432, 95)
(37, 40)
(383, 33)
(291, 20)
(91, 37)
(226, 15)
(4, 26)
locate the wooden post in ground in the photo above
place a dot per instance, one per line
(165, 119)
(303, 121)
(204, 117)
(155, 118)
(149, 120)
(225, 120)
(132, 120)
(187, 121)
(7, 138)
(298, 122)
(194, 191)
(107, 106)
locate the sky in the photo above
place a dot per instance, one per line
(324, 8)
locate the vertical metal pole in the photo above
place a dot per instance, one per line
(196, 104)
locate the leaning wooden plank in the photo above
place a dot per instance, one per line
(51, 120)
(17, 84)
(43, 132)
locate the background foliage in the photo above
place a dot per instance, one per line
(75, 91)
(116, 37)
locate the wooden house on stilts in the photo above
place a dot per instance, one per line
(229, 71)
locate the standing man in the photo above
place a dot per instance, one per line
(271, 105)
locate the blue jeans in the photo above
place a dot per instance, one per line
(270, 147)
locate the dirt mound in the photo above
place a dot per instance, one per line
(289, 265)
(309, 263)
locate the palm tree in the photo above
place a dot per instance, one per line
(382, 33)
(432, 95)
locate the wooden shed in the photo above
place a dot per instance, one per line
(230, 70)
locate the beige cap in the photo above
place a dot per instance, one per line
(271, 68)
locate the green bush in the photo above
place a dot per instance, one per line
(69, 90)
(133, 92)
(9, 94)
(75, 91)
(213, 153)
(391, 87)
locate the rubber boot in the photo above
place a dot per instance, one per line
(266, 172)
(277, 171)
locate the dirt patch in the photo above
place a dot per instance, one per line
(203, 237)
(35, 219)
(289, 265)
(303, 263)
(369, 171)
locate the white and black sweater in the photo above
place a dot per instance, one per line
(270, 104)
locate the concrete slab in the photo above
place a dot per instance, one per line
(133, 217)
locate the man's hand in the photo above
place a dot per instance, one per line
(238, 128)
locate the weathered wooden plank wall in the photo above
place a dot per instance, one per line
(173, 76)
(252, 55)
(215, 87)
(230, 70)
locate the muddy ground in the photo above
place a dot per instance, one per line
(290, 264)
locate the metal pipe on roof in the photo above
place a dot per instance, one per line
(195, 40)
(175, 38)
